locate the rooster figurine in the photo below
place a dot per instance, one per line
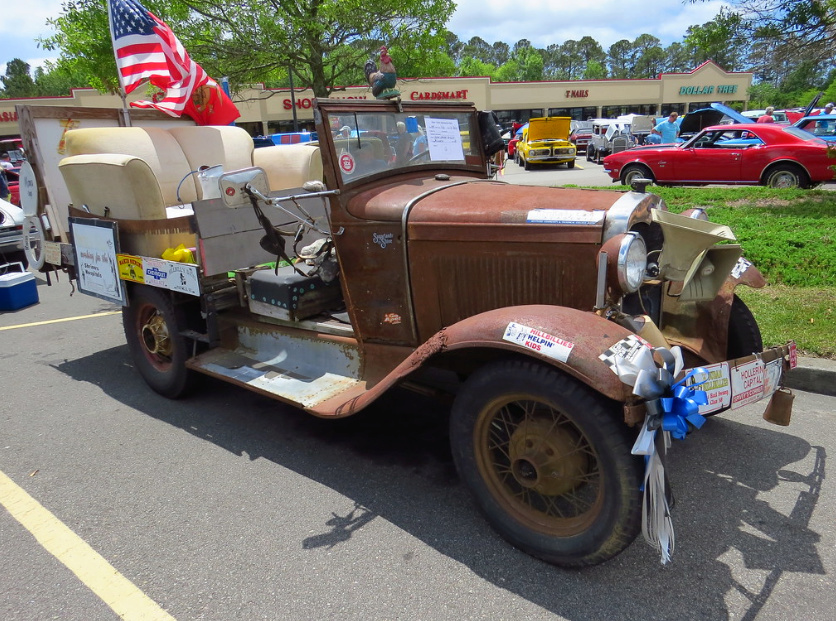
(382, 80)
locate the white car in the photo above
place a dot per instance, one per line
(11, 233)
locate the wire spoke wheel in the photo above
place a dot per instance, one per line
(547, 461)
(539, 465)
(155, 337)
(158, 349)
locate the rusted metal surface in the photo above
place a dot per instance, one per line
(589, 334)
(702, 327)
(452, 281)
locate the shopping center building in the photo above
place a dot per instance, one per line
(266, 111)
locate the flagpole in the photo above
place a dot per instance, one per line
(124, 112)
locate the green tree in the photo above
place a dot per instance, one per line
(650, 57)
(52, 80)
(323, 42)
(473, 67)
(679, 58)
(478, 49)
(621, 59)
(18, 82)
(807, 26)
(453, 47)
(718, 40)
(501, 53)
(525, 65)
(594, 71)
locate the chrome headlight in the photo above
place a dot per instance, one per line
(632, 262)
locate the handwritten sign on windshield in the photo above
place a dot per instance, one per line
(444, 139)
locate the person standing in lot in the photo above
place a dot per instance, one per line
(767, 117)
(667, 129)
(828, 109)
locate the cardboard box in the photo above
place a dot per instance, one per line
(17, 290)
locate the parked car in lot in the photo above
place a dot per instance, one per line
(780, 116)
(512, 146)
(715, 114)
(13, 178)
(14, 147)
(608, 136)
(11, 233)
(546, 141)
(822, 126)
(580, 137)
(750, 154)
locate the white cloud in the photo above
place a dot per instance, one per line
(546, 22)
(22, 23)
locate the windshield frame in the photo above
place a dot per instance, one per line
(374, 124)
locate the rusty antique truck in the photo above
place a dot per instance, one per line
(324, 274)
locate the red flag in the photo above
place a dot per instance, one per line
(146, 48)
(210, 105)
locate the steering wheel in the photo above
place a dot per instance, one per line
(417, 157)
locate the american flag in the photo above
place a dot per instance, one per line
(146, 48)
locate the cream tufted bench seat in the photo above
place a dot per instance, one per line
(147, 173)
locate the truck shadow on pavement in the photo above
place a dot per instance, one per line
(393, 461)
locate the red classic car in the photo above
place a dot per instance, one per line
(13, 177)
(750, 154)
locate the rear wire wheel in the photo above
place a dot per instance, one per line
(158, 349)
(548, 462)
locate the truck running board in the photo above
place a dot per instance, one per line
(296, 368)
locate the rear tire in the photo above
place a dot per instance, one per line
(548, 462)
(787, 176)
(158, 349)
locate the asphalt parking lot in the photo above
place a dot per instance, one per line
(228, 505)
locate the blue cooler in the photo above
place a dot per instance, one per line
(17, 289)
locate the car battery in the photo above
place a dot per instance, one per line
(17, 289)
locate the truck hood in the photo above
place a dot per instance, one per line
(551, 128)
(468, 201)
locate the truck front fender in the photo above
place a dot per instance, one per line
(577, 338)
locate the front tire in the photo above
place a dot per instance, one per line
(787, 176)
(633, 172)
(744, 333)
(570, 164)
(548, 462)
(158, 349)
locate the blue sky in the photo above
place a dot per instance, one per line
(542, 22)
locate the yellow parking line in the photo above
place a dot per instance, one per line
(92, 569)
(43, 323)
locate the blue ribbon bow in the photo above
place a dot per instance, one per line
(682, 407)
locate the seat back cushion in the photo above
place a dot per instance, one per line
(113, 185)
(225, 145)
(289, 166)
(155, 146)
